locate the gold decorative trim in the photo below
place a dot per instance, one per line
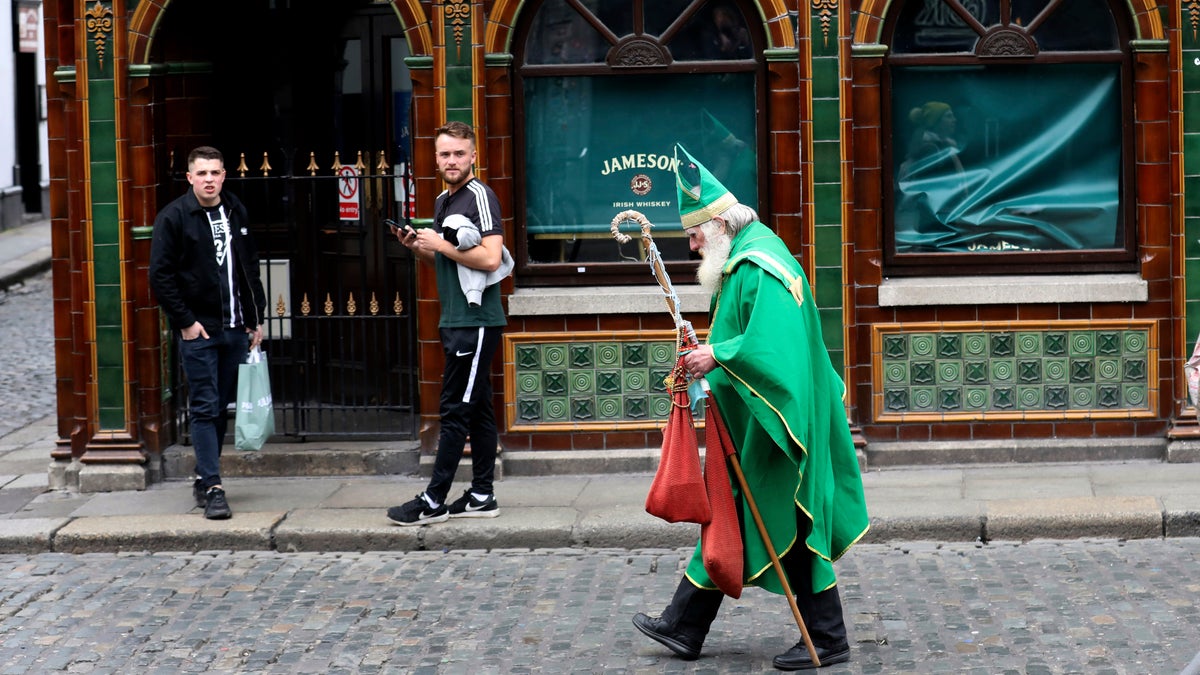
(1193, 11)
(457, 13)
(824, 10)
(99, 25)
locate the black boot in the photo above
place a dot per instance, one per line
(684, 623)
(822, 614)
(798, 658)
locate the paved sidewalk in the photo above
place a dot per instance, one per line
(24, 251)
(1125, 500)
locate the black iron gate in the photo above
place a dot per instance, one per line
(340, 334)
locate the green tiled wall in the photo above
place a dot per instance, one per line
(459, 74)
(105, 232)
(584, 382)
(1046, 371)
(827, 177)
(1191, 173)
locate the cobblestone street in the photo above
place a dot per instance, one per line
(27, 333)
(1061, 607)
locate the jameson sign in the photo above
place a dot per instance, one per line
(644, 181)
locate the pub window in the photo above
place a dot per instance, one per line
(1008, 151)
(604, 89)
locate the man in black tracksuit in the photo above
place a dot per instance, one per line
(204, 272)
(470, 335)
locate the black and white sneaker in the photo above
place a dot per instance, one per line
(217, 507)
(468, 506)
(417, 512)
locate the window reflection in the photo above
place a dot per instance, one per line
(716, 33)
(562, 35)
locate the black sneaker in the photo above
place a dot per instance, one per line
(417, 512)
(198, 493)
(467, 506)
(217, 507)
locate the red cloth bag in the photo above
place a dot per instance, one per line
(721, 539)
(677, 492)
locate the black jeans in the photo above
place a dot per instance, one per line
(211, 367)
(467, 409)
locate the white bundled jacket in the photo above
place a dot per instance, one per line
(473, 281)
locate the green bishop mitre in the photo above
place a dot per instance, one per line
(701, 195)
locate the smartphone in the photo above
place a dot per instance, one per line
(395, 227)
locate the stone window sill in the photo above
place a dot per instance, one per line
(564, 301)
(1004, 290)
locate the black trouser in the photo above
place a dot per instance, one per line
(822, 612)
(693, 609)
(467, 409)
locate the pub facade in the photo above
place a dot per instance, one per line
(989, 198)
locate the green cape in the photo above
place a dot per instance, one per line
(781, 398)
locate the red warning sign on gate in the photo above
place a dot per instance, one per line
(348, 193)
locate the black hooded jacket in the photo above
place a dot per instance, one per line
(183, 270)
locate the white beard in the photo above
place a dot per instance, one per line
(716, 254)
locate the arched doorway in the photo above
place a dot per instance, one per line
(310, 105)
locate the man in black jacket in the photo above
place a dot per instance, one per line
(204, 272)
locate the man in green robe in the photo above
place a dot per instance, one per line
(781, 399)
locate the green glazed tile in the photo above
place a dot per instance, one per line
(609, 407)
(556, 409)
(583, 409)
(1108, 369)
(949, 372)
(950, 398)
(528, 383)
(1056, 370)
(1135, 396)
(554, 356)
(1082, 343)
(923, 399)
(1028, 343)
(1029, 398)
(1003, 370)
(1057, 397)
(583, 381)
(976, 398)
(1004, 398)
(636, 380)
(1083, 396)
(529, 409)
(554, 383)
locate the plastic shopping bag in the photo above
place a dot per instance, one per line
(255, 420)
(1191, 372)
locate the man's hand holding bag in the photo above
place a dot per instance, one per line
(255, 421)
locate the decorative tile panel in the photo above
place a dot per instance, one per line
(598, 380)
(1024, 370)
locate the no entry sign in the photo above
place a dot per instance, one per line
(348, 193)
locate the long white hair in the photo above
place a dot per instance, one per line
(738, 216)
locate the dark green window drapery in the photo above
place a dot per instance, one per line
(1007, 158)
